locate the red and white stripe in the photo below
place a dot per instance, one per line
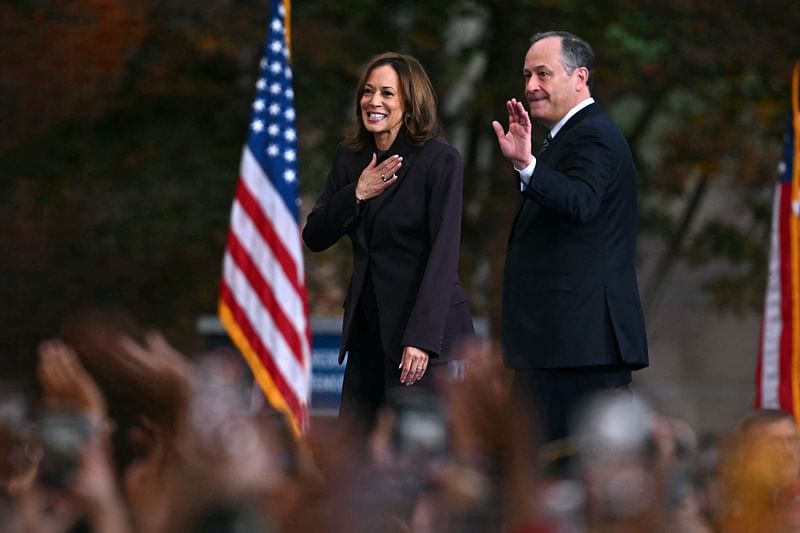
(778, 367)
(264, 292)
(775, 350)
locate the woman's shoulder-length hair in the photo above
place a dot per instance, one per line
(420, 120)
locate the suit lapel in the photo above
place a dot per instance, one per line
(359, 163)
(545, 155)
(408, 151)
(587, 111)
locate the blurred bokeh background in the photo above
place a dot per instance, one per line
(122, 123)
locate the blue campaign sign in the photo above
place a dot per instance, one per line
(326, 373)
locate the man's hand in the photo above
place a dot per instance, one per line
(516, 144)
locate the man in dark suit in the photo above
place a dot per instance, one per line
(572, 318)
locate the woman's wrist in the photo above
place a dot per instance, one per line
(360, 197)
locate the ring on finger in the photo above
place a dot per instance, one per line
(384, 178)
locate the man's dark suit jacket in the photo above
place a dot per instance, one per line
(570, 295)
(408, 238)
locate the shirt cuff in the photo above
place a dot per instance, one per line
(525, 174)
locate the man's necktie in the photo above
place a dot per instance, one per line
(547, 141)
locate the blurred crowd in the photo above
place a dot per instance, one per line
(122, 433)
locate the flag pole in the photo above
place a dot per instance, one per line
(263, 302)
(795, 242)
(287, 6)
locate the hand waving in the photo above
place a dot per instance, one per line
(516, 143)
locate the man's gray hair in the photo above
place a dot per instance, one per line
(575, 52)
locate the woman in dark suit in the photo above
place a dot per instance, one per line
(395, 190)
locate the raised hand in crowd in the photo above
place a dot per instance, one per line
(73, 479)
(66, 384)
(198, 448)
(494, 464)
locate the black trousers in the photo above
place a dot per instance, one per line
(552, 396)
(370, 377)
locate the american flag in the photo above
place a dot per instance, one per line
(778, 368)
(263, 296)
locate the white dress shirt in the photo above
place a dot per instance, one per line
(526, 173)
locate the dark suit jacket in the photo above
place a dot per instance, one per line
(408, 238)
(570, 295)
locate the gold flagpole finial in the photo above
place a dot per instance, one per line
(287, 22)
